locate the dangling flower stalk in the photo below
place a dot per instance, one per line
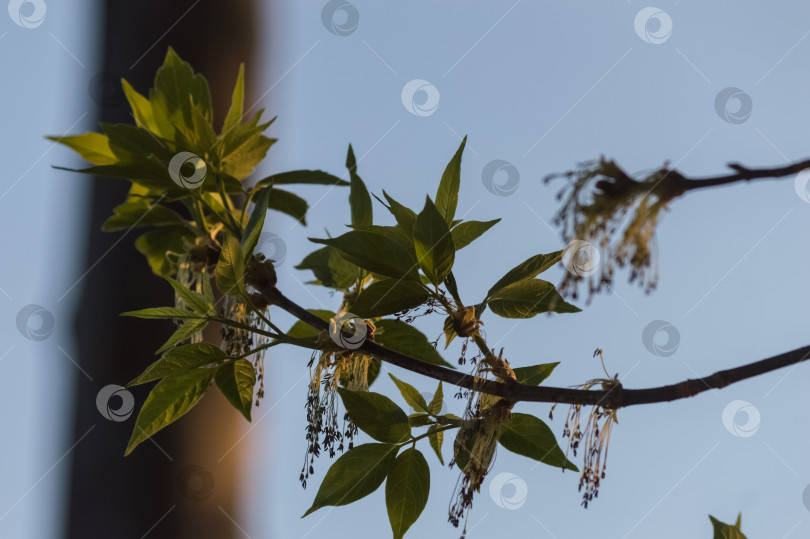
(594, 438)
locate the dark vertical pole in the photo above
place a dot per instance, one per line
(157, 491)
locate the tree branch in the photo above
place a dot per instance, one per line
(745, 174)
(614, 398)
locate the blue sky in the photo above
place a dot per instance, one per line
(543, 86)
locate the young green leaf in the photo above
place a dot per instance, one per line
(376, 415)
(330, 268)
(389, 296)
(407, 490)
(447, 195)
(414, 399)
(253, 229)
(404, 216)
(156, 243)
(529, 436)
(359, 199)
(433, 243)
(162, 313)
(93, 147)
(169, 400)
(234, 117)
(181, 359)
(289, 203)
(145, 115)
(468, 231)
(449, 331)
(435, 438)
(140, 212)
(526, 298)
(727, 531)
(208, 292)
(419, 420)
(302, 330)
(308, 177)
(375, 253)
(230, 270)
(436, 402)
(178, 90)
(184, 332)
(406, 339)
(240, 161)
(374, 368)
(356, 474)
(528, 269)
(235, 379)
(193, 300)
(534, 375)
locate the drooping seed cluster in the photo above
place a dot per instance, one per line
(485, 419)
(619, 215)
(334, 367)
(594, 438)
(237, 342)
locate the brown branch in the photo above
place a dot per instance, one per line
(745, 174)
(614, 398)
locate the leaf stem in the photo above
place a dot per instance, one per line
(426, 434)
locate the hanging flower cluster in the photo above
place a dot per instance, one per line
(604, 206)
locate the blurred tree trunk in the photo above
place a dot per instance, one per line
(181, 486)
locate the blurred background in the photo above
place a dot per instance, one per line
(538, 88)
